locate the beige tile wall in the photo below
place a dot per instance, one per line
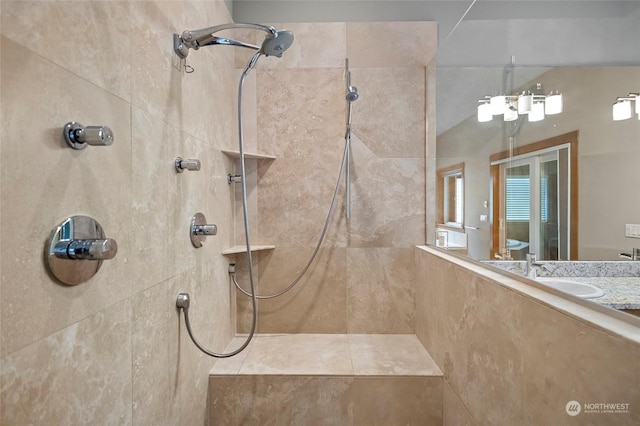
(510, 358)
(363, 282)
(113, 350)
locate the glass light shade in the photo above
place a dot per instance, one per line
(537, 112)
(498, 104)
(484, 113)
(525, 103)
(553, 104)
(621, 110)
(638, 106)
(510, 114)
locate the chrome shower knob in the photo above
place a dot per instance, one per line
(182, 165)
(91, 249)
(234, 179)
(204, 229)
(78, 136)
(199, 230)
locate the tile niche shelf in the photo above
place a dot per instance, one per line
(236, 154)
(243, 249)
(232, 251)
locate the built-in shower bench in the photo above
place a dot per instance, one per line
(317, 379)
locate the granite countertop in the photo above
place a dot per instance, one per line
(620, 280)
(619, 292)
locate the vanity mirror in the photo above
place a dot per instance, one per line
(583, 162)
(563, 186)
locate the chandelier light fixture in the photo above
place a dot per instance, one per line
(484, 110)
(534, 105)
(622, 107)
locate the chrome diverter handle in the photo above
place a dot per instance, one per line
(94, 249)
(76, 249)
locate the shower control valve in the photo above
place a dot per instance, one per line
(78, 136)
(200, 230)
(90, 249)
(205, 229)
(182, 165)
(77, 248)
(234, 179)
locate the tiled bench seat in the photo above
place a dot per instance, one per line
(327, 379)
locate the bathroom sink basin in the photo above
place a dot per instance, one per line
(583, 290)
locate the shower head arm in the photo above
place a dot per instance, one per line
(226, 41)
(194, 39)
(205, 32)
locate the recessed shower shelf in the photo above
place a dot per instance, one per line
(236, 154)
(243, 249)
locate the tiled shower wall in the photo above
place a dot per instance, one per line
(518, 356)
(113, 350)
(362, 280)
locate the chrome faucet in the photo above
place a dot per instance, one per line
(529, 270)
(634, 255)
(505, 254)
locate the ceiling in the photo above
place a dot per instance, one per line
(478, 38)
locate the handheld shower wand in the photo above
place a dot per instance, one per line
(351, 96)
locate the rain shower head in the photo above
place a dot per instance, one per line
(274, 45)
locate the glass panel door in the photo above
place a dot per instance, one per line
(549, 221)
(554, 205)
(519, 207)
(535, 212)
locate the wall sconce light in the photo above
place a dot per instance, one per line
(622, 107)
(535, 105)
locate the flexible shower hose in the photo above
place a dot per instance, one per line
(183, 299)
(344, 165)
(315, 251)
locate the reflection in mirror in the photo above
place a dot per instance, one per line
(450, 196)
(608, 154)
(549, 163)
(535, 189)
(563, 187)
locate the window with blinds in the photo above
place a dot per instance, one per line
(450, 196)
(518, 199)
(459, 199)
